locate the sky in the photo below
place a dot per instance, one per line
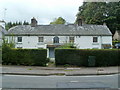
(45, 11)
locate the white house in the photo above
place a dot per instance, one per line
(2, 23)
(52, 36)
(2, 33)
(116, 36)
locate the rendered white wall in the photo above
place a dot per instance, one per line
(82, 42)
(62, 39)
(32, 41)
(107, 40)
(2, 24)
(86, 42)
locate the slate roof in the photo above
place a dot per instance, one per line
(118, 32)
(60, 29)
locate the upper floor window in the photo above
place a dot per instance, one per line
(40, 39)
(56, 39)
(19, 39)
(71, 39)
(95, 39)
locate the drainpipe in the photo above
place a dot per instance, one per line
(101, 41)
(47, 52)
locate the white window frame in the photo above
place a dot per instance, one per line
(56, 39)
(95, 39)
(40, 39)
(18, 39)
(71, 39)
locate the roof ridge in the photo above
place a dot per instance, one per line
(61, 29)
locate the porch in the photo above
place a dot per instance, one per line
(51, 50)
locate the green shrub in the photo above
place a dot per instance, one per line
(68, 45)
(0, 56)
(79, 57)
(114, 42)
(24, 56)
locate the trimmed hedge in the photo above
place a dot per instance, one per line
(114, 42)
(79, 57)
(0, 55)
(37, 57)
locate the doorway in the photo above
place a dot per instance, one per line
(51, 52)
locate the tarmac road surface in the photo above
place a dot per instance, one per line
(26, 81)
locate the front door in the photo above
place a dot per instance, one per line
(51, 52)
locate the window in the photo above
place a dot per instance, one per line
(19, 39)
(106, 46)
(40, 39)
(95, 48)
(95, 39)
(56, 39)
(19, 47)
(71, 39)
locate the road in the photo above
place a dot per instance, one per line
(25, 81)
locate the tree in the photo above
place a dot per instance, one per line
(59, 20)
(8, 25)
(19, 23)
(100, 12)
(12, 24)
(25, 23)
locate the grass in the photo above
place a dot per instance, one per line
(51, 64)
(29, 69)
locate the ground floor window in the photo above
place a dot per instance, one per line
(106, 46)
(95, 39)
(71, 39)
(56, 39)
(19, 39)
(40, 39)
(19, 47)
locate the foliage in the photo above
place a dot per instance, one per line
(100, 12)
(12, 24)
(79, 57)
(35, 57)
(68, 45)
(59, 20)
(114, 42)
(0, 55)
(25, 23)
(5, 44)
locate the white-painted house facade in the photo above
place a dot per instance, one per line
(2, 23)
(2, 34)
(52, 36)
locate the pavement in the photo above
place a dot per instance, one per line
(66, 71)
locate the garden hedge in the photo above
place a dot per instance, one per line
(35, 57)
(79, 57)
(0, 55)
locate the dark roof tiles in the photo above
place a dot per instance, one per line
(60, 29)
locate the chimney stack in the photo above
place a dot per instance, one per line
(33, 22)
(79, 22)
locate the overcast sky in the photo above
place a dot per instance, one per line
(44, 11)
